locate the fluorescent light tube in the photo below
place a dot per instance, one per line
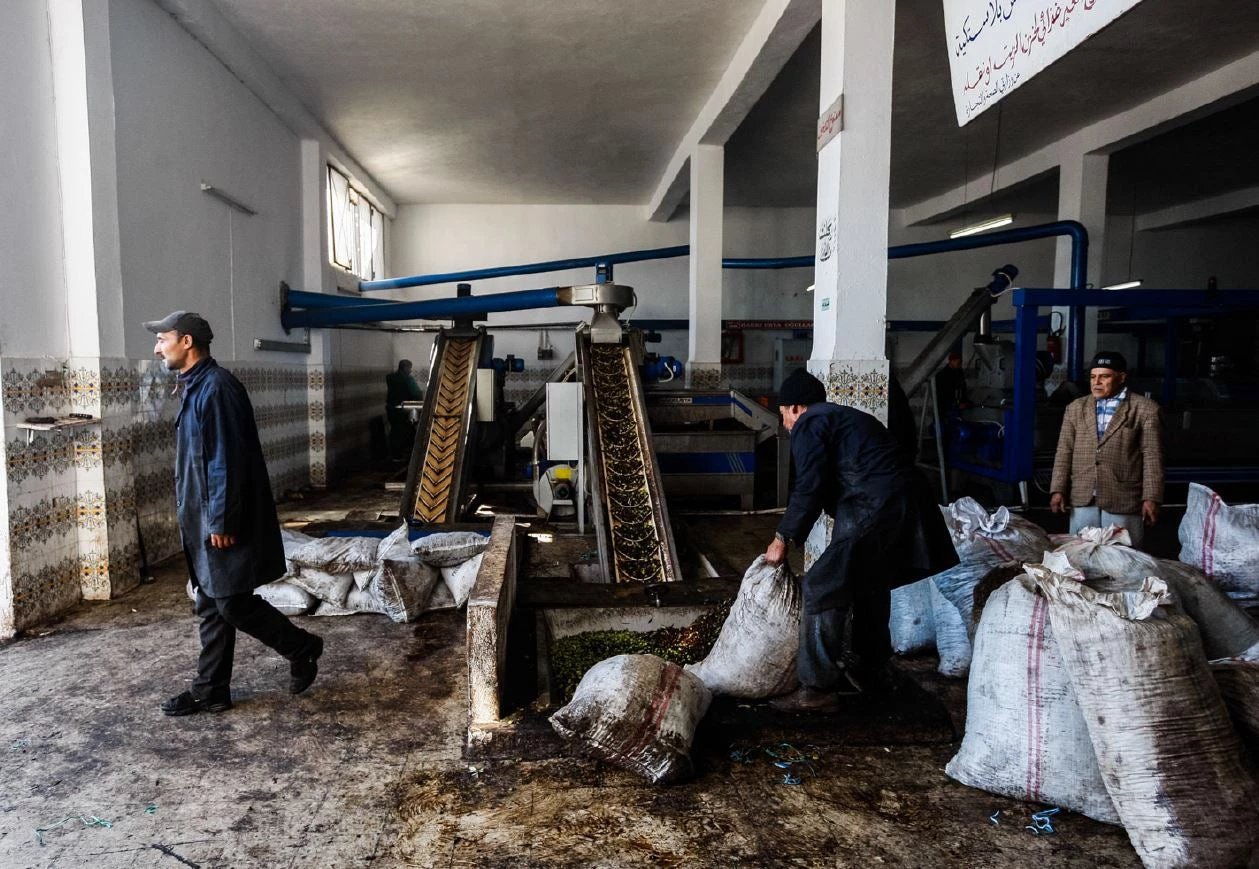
(1126, 285)
(984, 226)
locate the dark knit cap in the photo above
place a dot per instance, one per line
(801, 387)
(1109, 359)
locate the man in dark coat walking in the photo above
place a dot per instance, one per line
(227, 519)
(888, 532)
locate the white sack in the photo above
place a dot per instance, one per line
(1226, 629)
(364, 600)
(1168, 754)
(754, 656)
(337, 554)
(290, 599)
(292, 541)
(331, 609)
(952, 636)
(402, 584)
(638, 712)
(460, 579)
(1222, 542)
(449, 548)
(441, 599)
(912, 622)
(330, 587)
(992, 538)
(1025, 735)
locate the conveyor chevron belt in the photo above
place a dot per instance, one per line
(433, 492)
(637, 549)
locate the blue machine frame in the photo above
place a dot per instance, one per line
(1020, 420)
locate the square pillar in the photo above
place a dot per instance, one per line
(1082, 180)
(703, 366)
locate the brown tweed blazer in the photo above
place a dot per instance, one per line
(1124, 468)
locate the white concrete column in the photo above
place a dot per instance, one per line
(708, 173)
(854, 167)
(1082, 196)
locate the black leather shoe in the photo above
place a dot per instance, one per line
(806, 699)
(305, 667)
(187, 704)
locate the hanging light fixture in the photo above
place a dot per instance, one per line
(1126, 285)
(983, 226)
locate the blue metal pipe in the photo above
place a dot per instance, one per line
(433, 309)
(310, 301)
(632, 256)
(788, 262)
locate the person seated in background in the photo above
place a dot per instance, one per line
(400, 386)
(1108, 469)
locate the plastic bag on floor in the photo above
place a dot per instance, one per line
(912, 622)
(337, 554)
(754, 656)
(288, 598)
(1163, 740)
(1025, 735)
(638, 712)
(1222, 541)
(992, 538)
(461, 578)
(450, 548)
(952, 636)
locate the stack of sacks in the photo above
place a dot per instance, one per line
(983, 541)
(457, 555)
(1228, 634)
(346, 575)
(1094, 697)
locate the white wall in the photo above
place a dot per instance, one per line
(181, 119)
(32, 294)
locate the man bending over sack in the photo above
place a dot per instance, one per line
(888, 532)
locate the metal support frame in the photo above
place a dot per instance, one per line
(1020, 420)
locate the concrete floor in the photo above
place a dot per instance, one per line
(366, 768)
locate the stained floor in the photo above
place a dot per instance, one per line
(367, 770)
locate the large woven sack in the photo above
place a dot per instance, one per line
(328, 587)
(460, 578)
(754, 656)
(638, 712)
(1222, 541)
(912, 620)
(336, 554)
(1227, 630)
(1238, 680)
(290, 599)
(1225, 627)
(952, 633)
(450, 548)
(402, 584)
(1167, 750)
(992, 538)
(1025, 735)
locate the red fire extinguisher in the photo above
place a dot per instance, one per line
(1053, 343)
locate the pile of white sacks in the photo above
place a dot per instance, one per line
(1115, 684)
(333, 576)
(937, 613)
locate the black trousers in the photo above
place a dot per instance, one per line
(221, 618)
(846, 627)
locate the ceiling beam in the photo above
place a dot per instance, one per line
(1199, 210)
(771, 41)
(1226, 86)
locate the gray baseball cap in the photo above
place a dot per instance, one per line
(185, 323)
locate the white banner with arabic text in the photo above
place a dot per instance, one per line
(997, 45)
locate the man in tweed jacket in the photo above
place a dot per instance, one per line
(1109, 466)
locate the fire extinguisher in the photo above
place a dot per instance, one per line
(1053, 343)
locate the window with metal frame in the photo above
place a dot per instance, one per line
(356, 229)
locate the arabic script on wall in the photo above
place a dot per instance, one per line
(997, 45)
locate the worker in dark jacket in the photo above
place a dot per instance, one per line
(887, 532)
(400, 386)
(227, 519)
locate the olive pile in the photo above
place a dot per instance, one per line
(572, 656)
(636, 545)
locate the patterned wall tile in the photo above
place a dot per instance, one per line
(860, 383)
(43, 589)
